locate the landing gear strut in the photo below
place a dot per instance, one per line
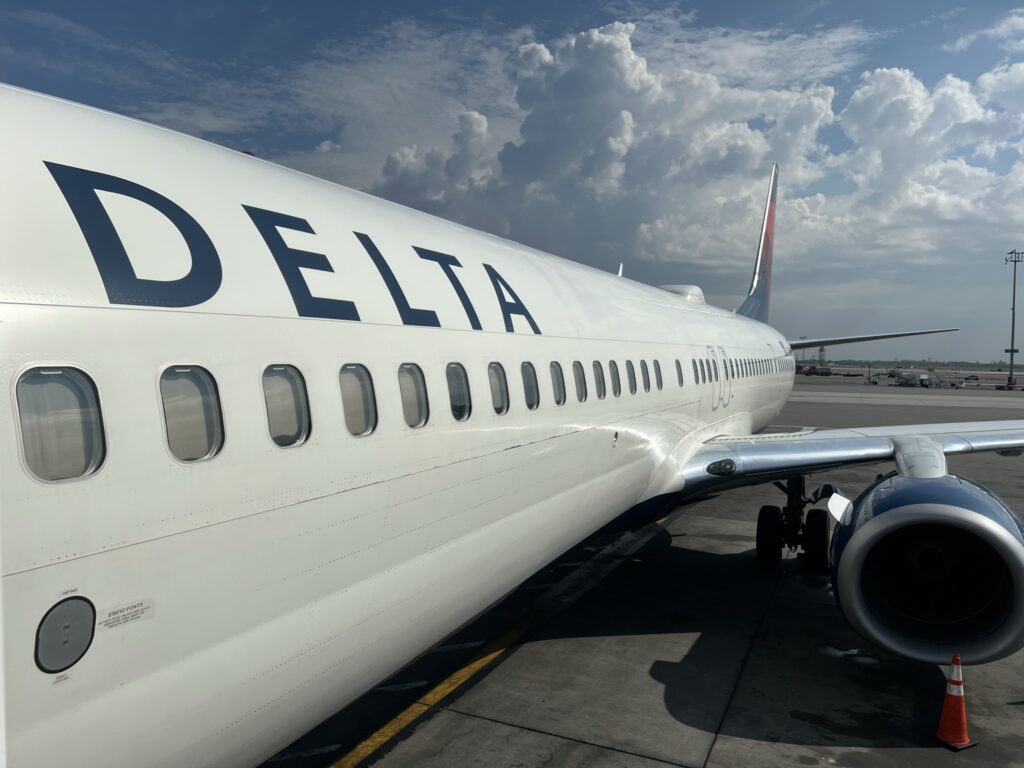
(790, 527)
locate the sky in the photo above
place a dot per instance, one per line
(630, 132)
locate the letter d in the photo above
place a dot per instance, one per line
(80, 186)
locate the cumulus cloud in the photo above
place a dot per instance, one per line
(650, 140)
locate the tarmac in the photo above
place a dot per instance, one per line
(668, 647)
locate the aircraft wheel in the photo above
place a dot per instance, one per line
(769, 536)
(816, 541)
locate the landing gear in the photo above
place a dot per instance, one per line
(815, 541)
(790, 527)
(769, 536)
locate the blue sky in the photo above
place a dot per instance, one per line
(622, 131)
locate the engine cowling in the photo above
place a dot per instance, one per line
(931, 567)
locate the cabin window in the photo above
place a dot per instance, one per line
(703, 373)
(657, 374)
(530, 386)
(61, 425)
(499, 387)
(732, 369)
(679, 372)
(195, 429)
(696, 374)
(284, 392)
(714, 368)
(357, 399)
(458, 391)
(557, 383)
(613, 371)
(645, 376)
(580, 377)
(413, 388)
(631, 377)
(599, 380)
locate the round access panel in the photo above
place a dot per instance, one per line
(65, 634)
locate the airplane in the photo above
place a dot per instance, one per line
(269, 439)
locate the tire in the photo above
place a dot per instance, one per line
(769, 536)
(816, 541)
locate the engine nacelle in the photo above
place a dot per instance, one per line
(931, 567)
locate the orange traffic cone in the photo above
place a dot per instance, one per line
(953, 722)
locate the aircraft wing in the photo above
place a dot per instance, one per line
(834, 340)
(730, 462)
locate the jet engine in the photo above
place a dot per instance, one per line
(931, 567)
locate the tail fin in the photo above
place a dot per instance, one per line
(756, 304)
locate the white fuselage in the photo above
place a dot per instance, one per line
(282, 583)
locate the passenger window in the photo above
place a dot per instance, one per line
(732, 369)
(613, 371)
(581, 380)
(530, 386)
(703, 373)
(499, 388)
(61, 425)
(284, 392)
(599, 380)
(195, 430)
(557, 383)
(679, 372)
(645, 376)
(413, 388)
(631, 377)
(714, 368)
(358, 401)
(696, 375)
(657, 374)
(458, 391)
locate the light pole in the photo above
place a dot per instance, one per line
(1014, 257)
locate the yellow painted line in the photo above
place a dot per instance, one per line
(370, 745)
(438, 693)
(414, 711)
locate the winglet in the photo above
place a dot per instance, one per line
(756, 304)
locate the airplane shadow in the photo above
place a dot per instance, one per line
(763, 657)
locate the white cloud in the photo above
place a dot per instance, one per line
(649, 141)
(753, 58)
(1004, 86)
(1008, 32)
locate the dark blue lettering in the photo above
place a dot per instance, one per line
(291, 260)
(508, 300)
(409, 315)
(446, 263)
(122, 285)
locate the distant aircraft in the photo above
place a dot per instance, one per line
(269, 439)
